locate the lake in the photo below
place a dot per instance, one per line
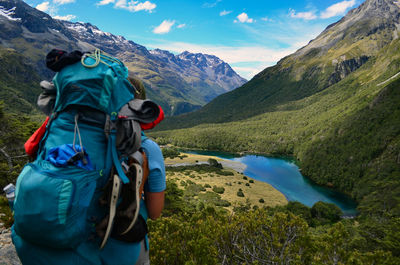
(284, 175)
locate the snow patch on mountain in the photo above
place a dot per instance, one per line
(8, 13)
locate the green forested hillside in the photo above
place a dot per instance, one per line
(335, 106)
(364, 42)
(339, 135)
(15, 129)
(19, 83)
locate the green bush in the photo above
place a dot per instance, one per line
(214, 163)
(251, 181)
(300, 209)
(170, 152)
(325, 213)
(219, 190)
(207, 185)
(225, 173)
(240, 193)
(244, 177)
(261, 200)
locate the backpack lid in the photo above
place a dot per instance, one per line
(97, 81)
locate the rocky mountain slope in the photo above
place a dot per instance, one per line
(179, 83)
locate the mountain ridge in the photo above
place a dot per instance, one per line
(176, 88)
(309, 70)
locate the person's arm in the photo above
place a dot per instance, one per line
(154, 203)
(155, 185)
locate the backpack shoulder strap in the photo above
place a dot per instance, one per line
(146, 172)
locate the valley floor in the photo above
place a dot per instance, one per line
(256, 193)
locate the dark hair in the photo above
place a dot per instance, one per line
(140, 91)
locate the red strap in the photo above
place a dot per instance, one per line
(148, 126)
(32, 145)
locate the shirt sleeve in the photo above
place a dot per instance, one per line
(156, 179)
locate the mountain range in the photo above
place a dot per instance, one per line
(334, 105)
(341, 49)
(179, 83)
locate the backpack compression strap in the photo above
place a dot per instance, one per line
(111, 131)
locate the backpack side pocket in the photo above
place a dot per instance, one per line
(51, 204)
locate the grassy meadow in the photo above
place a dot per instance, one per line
(227, 188)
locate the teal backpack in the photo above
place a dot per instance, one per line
(57, 196)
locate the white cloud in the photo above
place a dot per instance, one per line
(249, 72)
(211, 4)
(130, 5)
(147, 6)
(303, 15)
(63, 2)
(180, 26)
(43, 6)
(224, 13)
(244, 18)
(337, 9)
(164, 27)
(105, 2)
(67, 17)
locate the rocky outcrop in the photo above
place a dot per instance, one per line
(8, 255)
(370, 17)
(345, 67)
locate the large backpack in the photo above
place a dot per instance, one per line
(86, 141)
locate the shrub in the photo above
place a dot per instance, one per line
(324, 213)
(300, 209)
(170, 152)
(219, 190)
(225, 173)
(247, 184)
(251, 181)
(244, 177)
(214, 163)
(240, 193)
(261, 200)
(207, 185)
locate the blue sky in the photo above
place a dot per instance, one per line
(249, 35)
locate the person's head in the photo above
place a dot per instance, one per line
(140, 91)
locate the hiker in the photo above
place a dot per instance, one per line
(151, 207)
(92, 161)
